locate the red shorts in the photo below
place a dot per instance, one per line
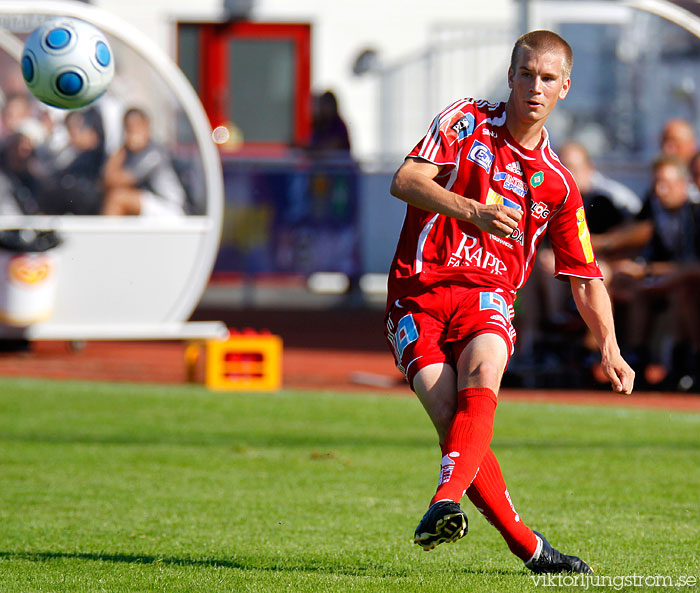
(436, 326)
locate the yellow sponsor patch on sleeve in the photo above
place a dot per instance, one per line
(493, 198)
(584, 236)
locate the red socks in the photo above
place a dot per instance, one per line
(466, 442)
(468, 464)
(490, 496)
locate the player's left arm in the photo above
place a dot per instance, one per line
(593, 304)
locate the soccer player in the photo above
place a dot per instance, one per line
(483, 187)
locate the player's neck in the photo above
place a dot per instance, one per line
(528, 134)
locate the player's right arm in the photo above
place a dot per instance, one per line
(415, 184)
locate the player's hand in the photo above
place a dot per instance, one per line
(497, 219)
(619, 372)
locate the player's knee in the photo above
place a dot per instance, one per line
(486, 373)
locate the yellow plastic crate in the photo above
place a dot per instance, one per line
(243, 362)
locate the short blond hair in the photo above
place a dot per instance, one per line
(544, 41)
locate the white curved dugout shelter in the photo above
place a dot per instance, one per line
(683, 13)
(130, 277)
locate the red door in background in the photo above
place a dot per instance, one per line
(253, 77)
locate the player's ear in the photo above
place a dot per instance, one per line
(511, 74)
(565, 88)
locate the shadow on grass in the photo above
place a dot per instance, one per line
(252, 564)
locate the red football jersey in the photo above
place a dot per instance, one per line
(481, 161)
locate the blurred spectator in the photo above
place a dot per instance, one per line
(678, 139)
(694, 170)
(20, 184)
(16, 109)
(611, 208)
(329, 134)
(664, 279)
(139, 178)
(17, 116)
(8, 203)
(74, 187)
(11, 78)
(608, 203)
(673, 237)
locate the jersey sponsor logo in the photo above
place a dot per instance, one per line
(517, 186)
(464, 126)
(515, 168)
(539, 209)
(584, 236)
(501, 241)
(537, 179)
(405, 333)
(492, 301)
(481, 155)
(489, 132)
(493, 198)
(518, 236)
(470, 253)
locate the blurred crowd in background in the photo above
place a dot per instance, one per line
(648, 246)
(84, 162)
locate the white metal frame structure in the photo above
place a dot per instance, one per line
(671, 12)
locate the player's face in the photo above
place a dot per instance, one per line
(537, 83)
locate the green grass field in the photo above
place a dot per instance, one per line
(115, 488)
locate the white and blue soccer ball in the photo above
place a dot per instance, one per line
(67, 63)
